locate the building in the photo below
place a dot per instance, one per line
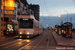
(9, 10)
(35, 9)
(24, 8)
(21, 7)
(24, 2)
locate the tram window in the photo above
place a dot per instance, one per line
(36, 24)
(40, 26)
(26, 23)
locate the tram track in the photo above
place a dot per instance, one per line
(42, 40)
(9, 42)
(37, 44)
(48, 43)
(32, 42)
(13, 43)
(48, 39)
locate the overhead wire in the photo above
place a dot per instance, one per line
(46, 7)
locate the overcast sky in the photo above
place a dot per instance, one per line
(54, 7)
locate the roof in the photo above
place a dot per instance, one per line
(69, 23)
(27, 16)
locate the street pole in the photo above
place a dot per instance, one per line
(62, 19)
(3, 11)
(59, 17)
(67, 14)
(0, 19)
(42, 22)
(71, 19)
(65, 18)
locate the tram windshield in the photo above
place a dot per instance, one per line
(26, 23)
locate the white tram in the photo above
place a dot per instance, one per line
(29, 26)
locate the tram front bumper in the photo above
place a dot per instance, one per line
(25, 36)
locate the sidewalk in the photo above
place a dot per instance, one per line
(7, 38)
(63, 41)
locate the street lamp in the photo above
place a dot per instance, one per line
(59, 15)
(47, 25)
(67, 15)
(60, 18)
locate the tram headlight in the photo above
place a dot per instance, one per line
(27, 36)
(28, 33)
(20, 36)
(20, 32)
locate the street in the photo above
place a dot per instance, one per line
(45, 41)
(37, 25)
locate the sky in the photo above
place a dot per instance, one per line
(54, 7)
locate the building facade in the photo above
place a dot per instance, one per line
(10, 10)
(35, 9)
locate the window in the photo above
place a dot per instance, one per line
(26, 23)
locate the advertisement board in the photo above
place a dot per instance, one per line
(10, 28)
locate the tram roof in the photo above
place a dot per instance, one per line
(27, 16)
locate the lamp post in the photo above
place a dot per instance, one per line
(3, 11)
(67, 15)
(0, 19)
(61, 19)
(47, 25)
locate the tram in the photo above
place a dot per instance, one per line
(29, 26)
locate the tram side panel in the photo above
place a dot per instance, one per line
(40, 29)
(36, 28)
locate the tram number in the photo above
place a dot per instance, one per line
(9, 27)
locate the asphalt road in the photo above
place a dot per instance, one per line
(45, 41)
